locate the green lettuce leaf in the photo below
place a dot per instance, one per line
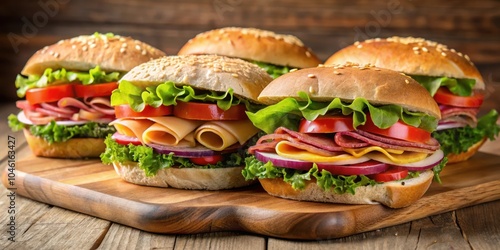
(461, 87)
(14, 123)
(289, 111)
(297, 179)
(459, 140)
(168, 93)
(53, 77)
(273, 70)
(53, 132)
(151, 162)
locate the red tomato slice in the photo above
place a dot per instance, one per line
(326, 124)
(49, 94)
(125, 110)
(444, 96)
(93, 90)
(208, 111)
(399, 130)
(213, 159)
(125, 140)
(392, 174)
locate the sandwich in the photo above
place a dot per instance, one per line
(181, 122)
(276, 53)
(67, 86)
(449, 76)
(346, 134)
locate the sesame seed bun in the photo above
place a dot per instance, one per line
(394, 194)
(73, 148)
(113, 53)
(349, 81)
(209, 72)
(253, 44)
(414, 56)
(184, 178)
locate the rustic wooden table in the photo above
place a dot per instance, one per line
(42, 226)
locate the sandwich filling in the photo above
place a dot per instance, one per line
(342, 145)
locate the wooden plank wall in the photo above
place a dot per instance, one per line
(472, 27)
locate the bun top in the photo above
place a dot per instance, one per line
(414, 56)
(349, 81)
(111, 53)
(253, 44)
(209, 72)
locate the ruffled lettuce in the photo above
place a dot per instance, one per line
(459, 140)
(168, 93)
(53, 132)
(297, 179)
(151, 162)
(52, 77)
(340, 184)
(273, 70)
(289, 111)
(460, 87)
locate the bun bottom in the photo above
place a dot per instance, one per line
(454, 158)
(72, 148)
(184, 178)
(394, 194)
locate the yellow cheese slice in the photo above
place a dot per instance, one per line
(131, 127)
(387, 155)
(169, 130)
(286, 149)
(218, 135)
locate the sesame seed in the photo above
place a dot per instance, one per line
(321, 65)
(336, 72)
(453, 50)
(460, 54)
(406, 80)
(51, 53)
(73, 46)
(60, 41)
(230, 42)
(84, 48)
(106, 45)
(56, 55)
(122, 50)
(308, 54)
(122, 39)
(467, 57)
(311, 90)
(376, 69)
(359, 46)
(425, 49)
(235, 75)
(443, 54)
(311, 76)
(143, 52)
(124, 45)
(93, 45)
(356, 43)
(416, 48)
(294, 69)
(416, 52)
(137, 47)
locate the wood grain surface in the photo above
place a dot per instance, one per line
(89, 187)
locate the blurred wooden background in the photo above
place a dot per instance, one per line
(472, 27)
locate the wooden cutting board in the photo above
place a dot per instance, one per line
(89, 187)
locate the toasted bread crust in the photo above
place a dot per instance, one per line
(184, 178)
(394, 194)
(82, 53)
(414, 56)
(349, 81)
(252, 44)
(73, 148)
(210, 72)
